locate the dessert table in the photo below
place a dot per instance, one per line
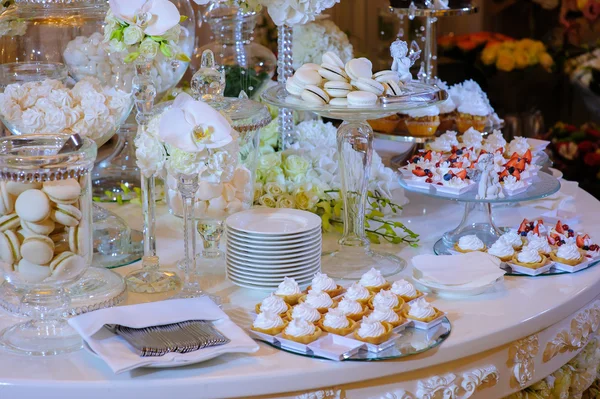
(501, 341)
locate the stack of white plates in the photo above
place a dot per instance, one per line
(264, 245)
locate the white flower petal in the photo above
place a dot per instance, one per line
(208, 191)
(125, 9)
(175, 131)
(165, 16)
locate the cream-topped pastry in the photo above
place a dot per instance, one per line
(382, 313)
(301, 331)
(336, 319)
(373, 280)
(539, 243)
(568, 254)
(404, 289)
(322, 282)
(513, 185)
(274, 304)
(386, 298)
(513, 238)
(423, 112)
(472, 139)
(502, 249)
(469, 243)
(289, 290)
(445, 142)
(474, 104)
(349, 307)
(357, 292)
(319, 300)
(421, 310)
(494, 141)
(268, 323)
(455, 182)
(305, 311)
(373, 331)
(518, 145)
(529, 257)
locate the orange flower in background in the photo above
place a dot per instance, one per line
(466, 45)
(521, 59)
(447, 41)
(505, 61)
(490, 53)
(546, 61)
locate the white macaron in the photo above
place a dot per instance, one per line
(359, 68)
(306, 77)
(38, 249)
(10, 247)
(62, 191)
(311, 66)
(293, 87)
(392, 89)
(7, 203)
(337, 89)
(9, 222)
(67, 215)
(67, 265)
(332, 58)
(15, 188)
(361, 98)
(332, 72)
(369, 85)
(32, 206)
(79, 240)
(43, 228)
(339, 102)
(314, 95)
(31, 272)
(387, 76)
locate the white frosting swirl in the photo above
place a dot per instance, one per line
(456, 182)
(513, 238)
(404, 288)
(501, 249)
(274, 304)
(474, 105)
(421, 309)
(385, 299)
(494, 141)
(305, 311)
(569, 252)
(382, 313)
(370, 328)
(288, 286)
(300, 328)
(445, 142)
(470, 242)
(538, 243)
(357, 292)
(511, 183)
(472, 138)
(372, 278)
(529, 255)
(322, 282)
(335, 318)
(422, 112)
(267, 320)
(447, 106)
(349, 306)
(318, 299)
(518, 145)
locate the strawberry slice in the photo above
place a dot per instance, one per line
(536, 229)
(456, 165)
(520, 166)
(418, 172)
(540, 221)
(580, 241)
(500, 150)
(586, 237)
(523, 226)
(511, 162)
(454, 149)
(483, 152)
(552, 240)
(428, 155)
(462, 174)
(517, 174)
(559, 228)
(503, 174)
(514, 155)
(527, 156)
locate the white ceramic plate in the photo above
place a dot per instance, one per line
(272, 272)
(258, 287)
(273, 221)
(454, 291)
(272, 280)
(274, 267)
(276, 263)
(280, 255)
(276, 239)
(264, 286)
(556, 173)
(269, 250)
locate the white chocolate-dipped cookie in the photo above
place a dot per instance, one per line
(32, 272)
(67, 215)
(15, 188)
(67, 265)
(359, 68)
(32, 206)
(79, 240)
(62, 191)
(10, 247)
(9, 222)
(37, 249)
(44, 228)
(7, 203)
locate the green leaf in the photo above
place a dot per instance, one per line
(183, 18)
(182, 57)
(166, 50)
(337, 209)
(117, 34)
(374, 238)
(157, 39)
(109, 194)
(119, 199)
(326, 224)
(131, 57)
(125, 189)
(367, 225)
(96, 199)
(325, 206)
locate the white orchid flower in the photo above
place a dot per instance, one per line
(155, 17)
(193, 126)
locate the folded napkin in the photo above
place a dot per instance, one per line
(473, 269)
(121, 357)
(563, 202)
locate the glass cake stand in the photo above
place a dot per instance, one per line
(355, 137)
(478, 218)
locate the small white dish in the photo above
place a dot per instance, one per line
(288, 343)
(529, 271)
(519, 190)
(263, 337)
(455, 190)
(456, 291)
(260, 248)
(421, 325)
(274, 239)
(335, 347)
(376, 348)
(273, 221)
(556, 173)
(275, 272)
(402, 326)
(304, 259)
(279, 255)
(553, 216)
(572, 269)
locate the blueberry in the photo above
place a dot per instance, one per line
(562, 241)
(427, 171)
(586, 248)
(511, 170)
(524, 233)
(459, 152)
(447, 177)
(571, 231)
(415, 160)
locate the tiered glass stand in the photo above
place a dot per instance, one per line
(354, 255)
(478, 218)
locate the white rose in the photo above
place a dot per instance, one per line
(295, 166)
(275, 189)
(55, 119)
(269, 161)
(258, 191)
(61, 98)
(274, 175)
(150, 154)
(33, 119)
(148, 49)
(267, 200)
(116, 46)
(132, 35)
(285, 201)
(173, 34)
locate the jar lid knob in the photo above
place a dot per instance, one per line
(208, 83)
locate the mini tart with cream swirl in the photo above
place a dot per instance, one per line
(320, 300)
(388, 299)
(502, 250)
(529, 257)
(336, 322)
(358, 293)
(568, 254)
(387, 315)
(373, 331)
(272, 303)
(539, 243)
(513, 238)
(322, 282)
(301, 331)
(469, 243)
(421, 310)
(304, 311)
(351, 308)
(374, 281)
(405, 290)
(268, 323)
(289, 291)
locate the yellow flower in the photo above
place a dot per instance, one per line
(505, 61)
(489, 54)
(546, 61)
(538, 48)
(509, 45)
(521, 59)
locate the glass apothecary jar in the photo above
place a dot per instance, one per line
(247, 65)
(45, 235)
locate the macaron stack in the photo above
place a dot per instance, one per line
(42, 230)
(339, 84)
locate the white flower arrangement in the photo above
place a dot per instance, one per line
(312, 40)
(49, 106)
(296, 12)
